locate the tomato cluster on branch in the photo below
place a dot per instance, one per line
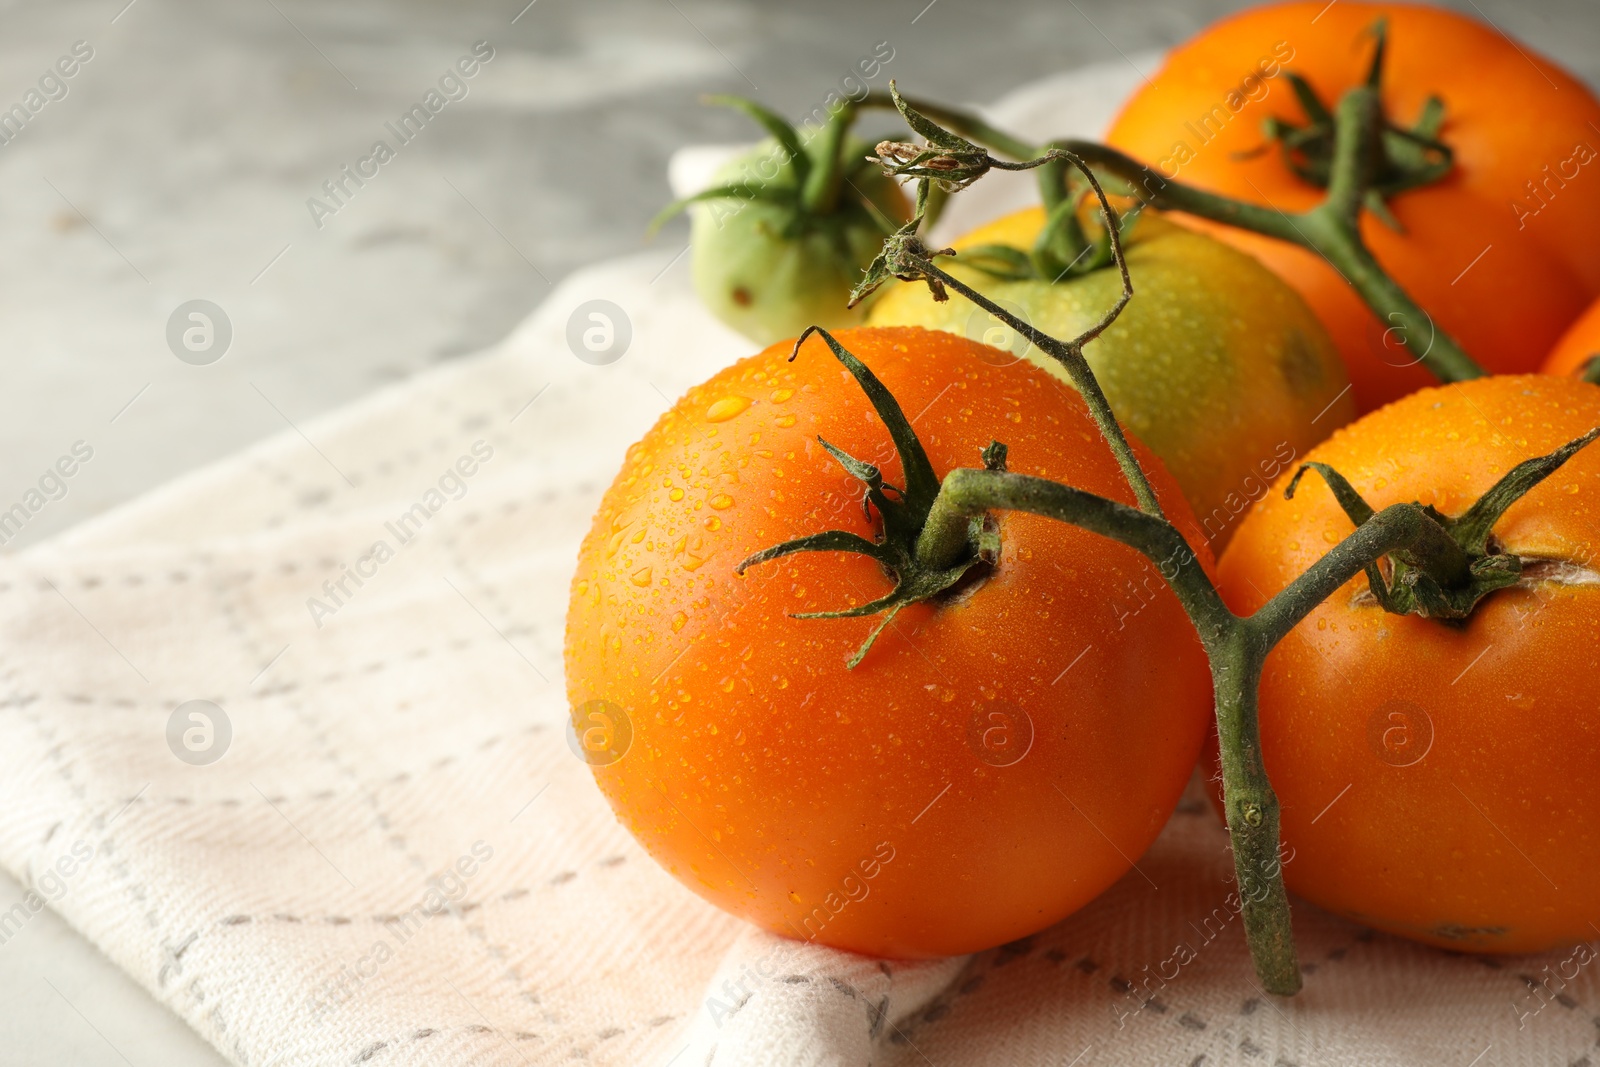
(878, 600)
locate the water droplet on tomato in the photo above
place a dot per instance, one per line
(786, 422)
(780, 395)
(722, 501)
(641, 577)
(675, 495)
(727, 408)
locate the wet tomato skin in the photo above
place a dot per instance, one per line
(1442, 782)
(996, 760)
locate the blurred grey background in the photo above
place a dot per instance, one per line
(178, 166)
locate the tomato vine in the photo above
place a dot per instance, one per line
(1359, 155)
(1437, 567)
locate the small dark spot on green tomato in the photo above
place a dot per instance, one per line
(1302, 371)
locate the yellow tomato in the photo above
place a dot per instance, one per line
(1217, 365)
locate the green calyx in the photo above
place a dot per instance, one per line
(957, 153)
(1444, 576)
(946, 164)
(901, 250)
(1066, 248)
(948, 159)
(902, 514)
(949, 162)
(1405, 157)
(812, 176)
(782, 235)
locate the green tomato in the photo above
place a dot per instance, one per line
(768, 265)
(1216, 364)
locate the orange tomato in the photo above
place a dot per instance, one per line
(998, 756)
(1501, 252)
(1577, 346)
(1442, 781)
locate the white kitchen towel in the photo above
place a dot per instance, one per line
(397, 860)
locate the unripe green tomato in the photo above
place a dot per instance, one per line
(1216, 364)
(768, 269)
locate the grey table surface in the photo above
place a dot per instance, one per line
(179, 164)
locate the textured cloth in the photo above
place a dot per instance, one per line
(398, 860)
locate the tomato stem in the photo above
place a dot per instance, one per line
(902, 512)
(811, 187)
(1395, 528)
(1355, 150)
(1235, 647)
(950, 532)
(1330, 232)
(1453, 562)
(964, 123)
(1070, 355)
(1401, 158)
(819, 191)
(930, 545)
(1252, 815)
(1362, 139)
(1061, 245)
(968, 493)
